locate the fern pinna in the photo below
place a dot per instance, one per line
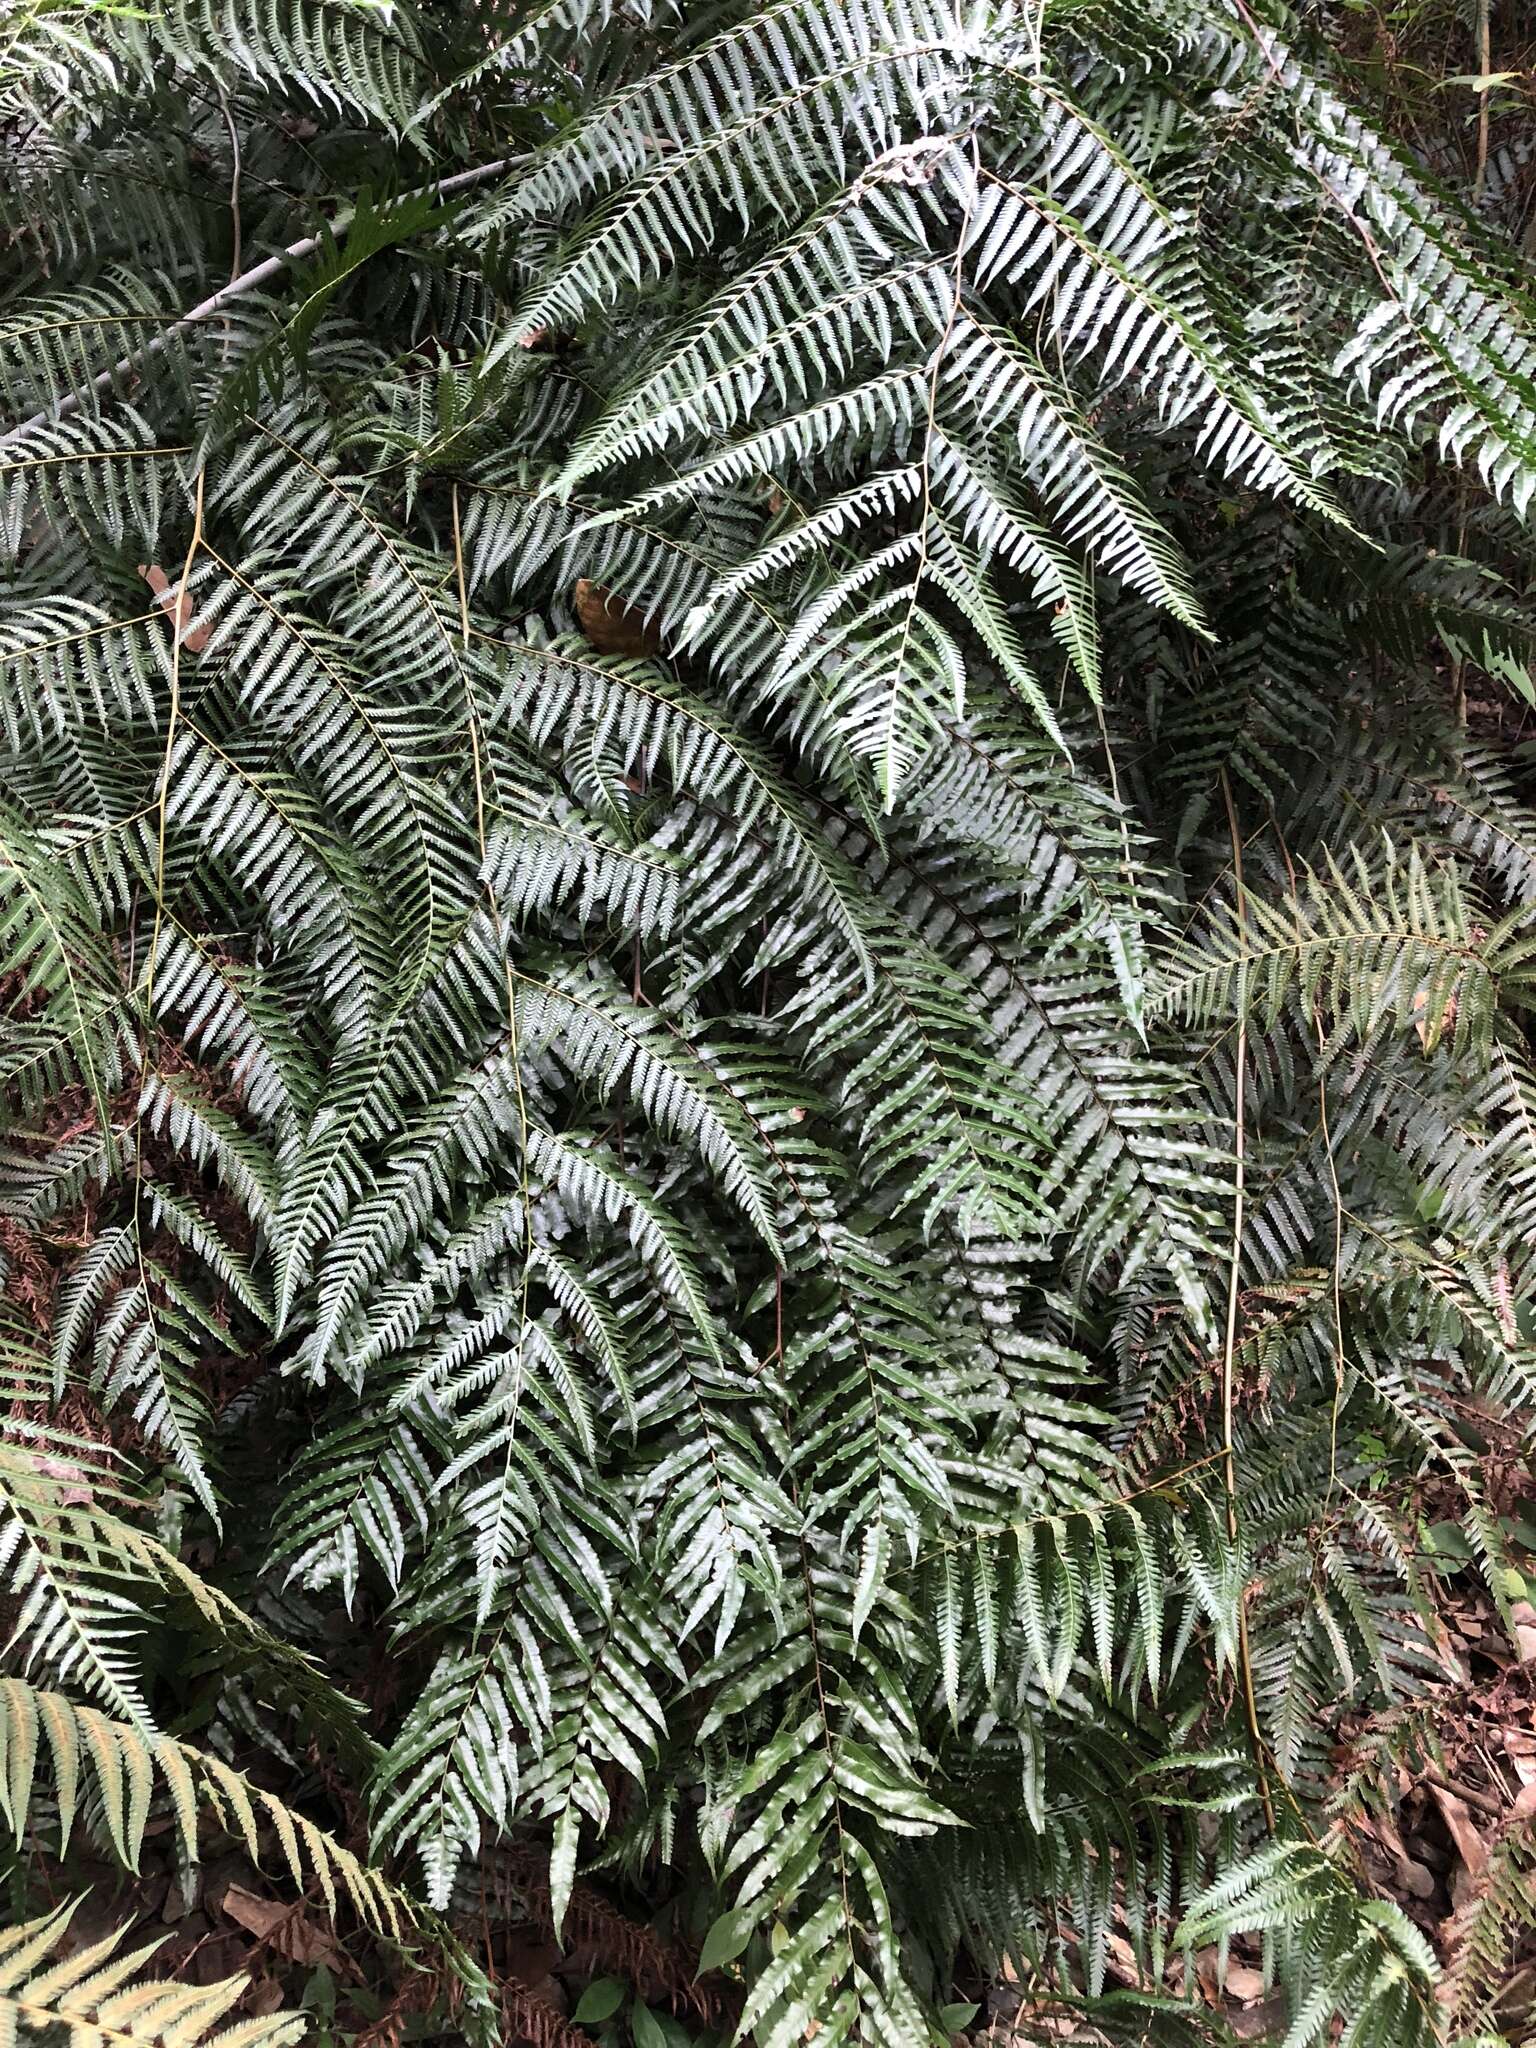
(761, 1001)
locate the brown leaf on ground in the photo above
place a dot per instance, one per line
(1240, 1985)
(1520, 1749)
(287, 1929)
(612, 626)
(1469, 1844)
(1432, 1030)
(1418, 1882)
(1243, 1982)
(265, 1995)
(1121, 1958)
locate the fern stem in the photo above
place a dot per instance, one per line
(177, 613)
(179, 616)
(1326, 1133)
(1234, 1276)
(509, 973)
(1485, 92)
(234, 187)
(935, 369)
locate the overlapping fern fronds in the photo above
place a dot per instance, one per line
(100, 1995)
(691, 742)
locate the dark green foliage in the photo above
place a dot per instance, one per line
(788, 1025)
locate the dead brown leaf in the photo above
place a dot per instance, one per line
(1418, 1882)
(1244, 1983)
(287, 1929)
(611, 625)
(1470, 1846)
(1121, 1957)
(264, 1996)
(1430, 1030)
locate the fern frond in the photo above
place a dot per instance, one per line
(102, 1996)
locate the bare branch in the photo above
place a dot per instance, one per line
(248, 281)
